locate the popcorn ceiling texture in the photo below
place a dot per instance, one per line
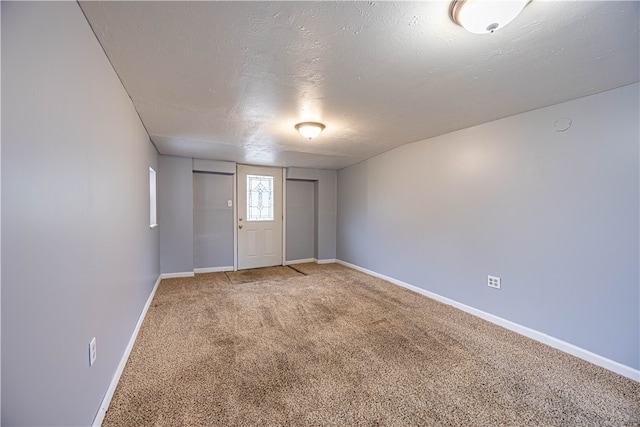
(328, 345)
(229, 80)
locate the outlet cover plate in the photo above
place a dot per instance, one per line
(92, 351)
(493, 282)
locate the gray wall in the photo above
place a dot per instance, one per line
(301, 242)
(175, 214)
(555, 214)
(212, 220)
(176, 203)
(79, 258)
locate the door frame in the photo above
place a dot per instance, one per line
(235, 215)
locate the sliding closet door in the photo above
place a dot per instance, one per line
(212, 222)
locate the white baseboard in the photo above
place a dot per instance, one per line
(317, 261)
(177, 275)
(300, 261)
(212, 269)
(556, 343)
(106, 401)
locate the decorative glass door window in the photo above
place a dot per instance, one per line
(259, 198)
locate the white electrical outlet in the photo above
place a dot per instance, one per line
(229, 203)
(493, 282)
(92, 351)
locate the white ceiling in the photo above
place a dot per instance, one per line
(229, 80)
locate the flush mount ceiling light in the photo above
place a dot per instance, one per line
(485, 16)
(310, 129)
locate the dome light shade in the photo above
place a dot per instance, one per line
(310, 129)
(485, 16)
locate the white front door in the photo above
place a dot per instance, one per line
(259, 217)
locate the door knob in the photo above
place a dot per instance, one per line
(240, 226)
(240, 219)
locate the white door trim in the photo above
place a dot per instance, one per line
(235, 220)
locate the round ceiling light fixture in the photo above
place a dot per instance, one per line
(485, 16)
(310, 129)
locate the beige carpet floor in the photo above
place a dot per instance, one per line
(330, 346)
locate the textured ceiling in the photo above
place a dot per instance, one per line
(229, 80)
